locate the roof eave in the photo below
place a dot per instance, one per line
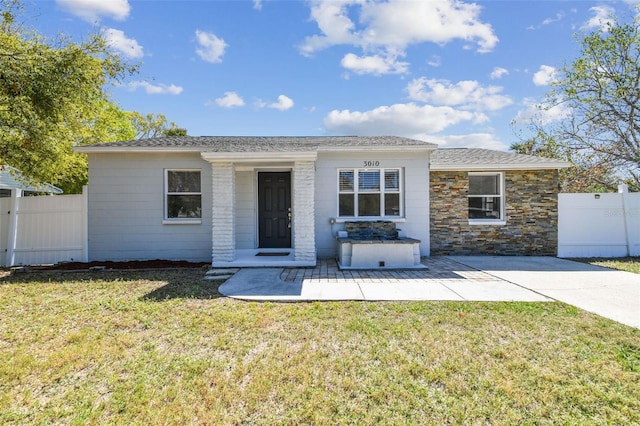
(133, 149)
(498, 167)
(386, 148)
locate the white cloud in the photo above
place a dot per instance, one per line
(548, 21)
(386, 29)
(498, 73)
(602, 17)
(230, 100)
(93, 10)
(468, 95)
(120, 43)
(435, 61)
(472, 140)
(376, 65)
(156, 89)
(284, 103)
(559, 16)
(545, 76)
(257, 4)
(536, 112)
(399, 119)
(211, 47)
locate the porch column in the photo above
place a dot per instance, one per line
(223, 214)
(304, 236)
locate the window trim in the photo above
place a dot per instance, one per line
(381, 192)
(166, 220)
(502, 195)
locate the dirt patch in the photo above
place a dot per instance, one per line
(132, 264)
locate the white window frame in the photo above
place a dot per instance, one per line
(503, 219)
(381, 192)
(180, 220)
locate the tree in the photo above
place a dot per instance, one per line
(600, 91)
(52, 97)
(152, 126)
(577, 178)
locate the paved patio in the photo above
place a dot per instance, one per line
(612, 294)
(445, 279)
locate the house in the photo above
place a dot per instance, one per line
(254, 201)
(11, 179)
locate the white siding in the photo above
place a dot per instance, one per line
(245, 210)
(416, 194)
(126, 209)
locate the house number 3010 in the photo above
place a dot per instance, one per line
(369, 163)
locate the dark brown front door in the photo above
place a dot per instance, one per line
(274, 209)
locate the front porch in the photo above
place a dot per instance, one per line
(264, 258)
(260, 224)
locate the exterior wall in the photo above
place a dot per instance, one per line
(126, 209)
(531, 210)
(416, 195)
(246, 210)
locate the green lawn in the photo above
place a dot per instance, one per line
(164, 348)
(629, 264)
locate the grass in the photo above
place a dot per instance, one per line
(164, 348)
(629, 264)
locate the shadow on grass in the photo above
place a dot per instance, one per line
(179, 283)
(185, 290)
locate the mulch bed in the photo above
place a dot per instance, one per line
(133, 264)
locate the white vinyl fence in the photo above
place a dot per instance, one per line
(599, 225)
(43, 229)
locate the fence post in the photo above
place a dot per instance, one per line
(16, 195)
(623, 190)
(85, 223)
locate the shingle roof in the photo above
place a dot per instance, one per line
(11, 178)
(257, 143)
(487, 159)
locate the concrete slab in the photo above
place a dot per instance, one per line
(611, 294)
(494, 291)
(331, 290)
(407, 290)
(260, 284)
(606, 292)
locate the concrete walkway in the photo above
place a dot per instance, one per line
(609, 293)
(606, 292)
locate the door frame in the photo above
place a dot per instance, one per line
(257, 204)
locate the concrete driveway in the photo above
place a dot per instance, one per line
(609, 293)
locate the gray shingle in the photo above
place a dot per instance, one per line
(487, 159)
(260, 143)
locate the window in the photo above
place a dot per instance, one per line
(183, 198)
(486, 197)
(369, 193)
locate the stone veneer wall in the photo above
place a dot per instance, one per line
(531, 216)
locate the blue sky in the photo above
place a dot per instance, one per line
(456, 73)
